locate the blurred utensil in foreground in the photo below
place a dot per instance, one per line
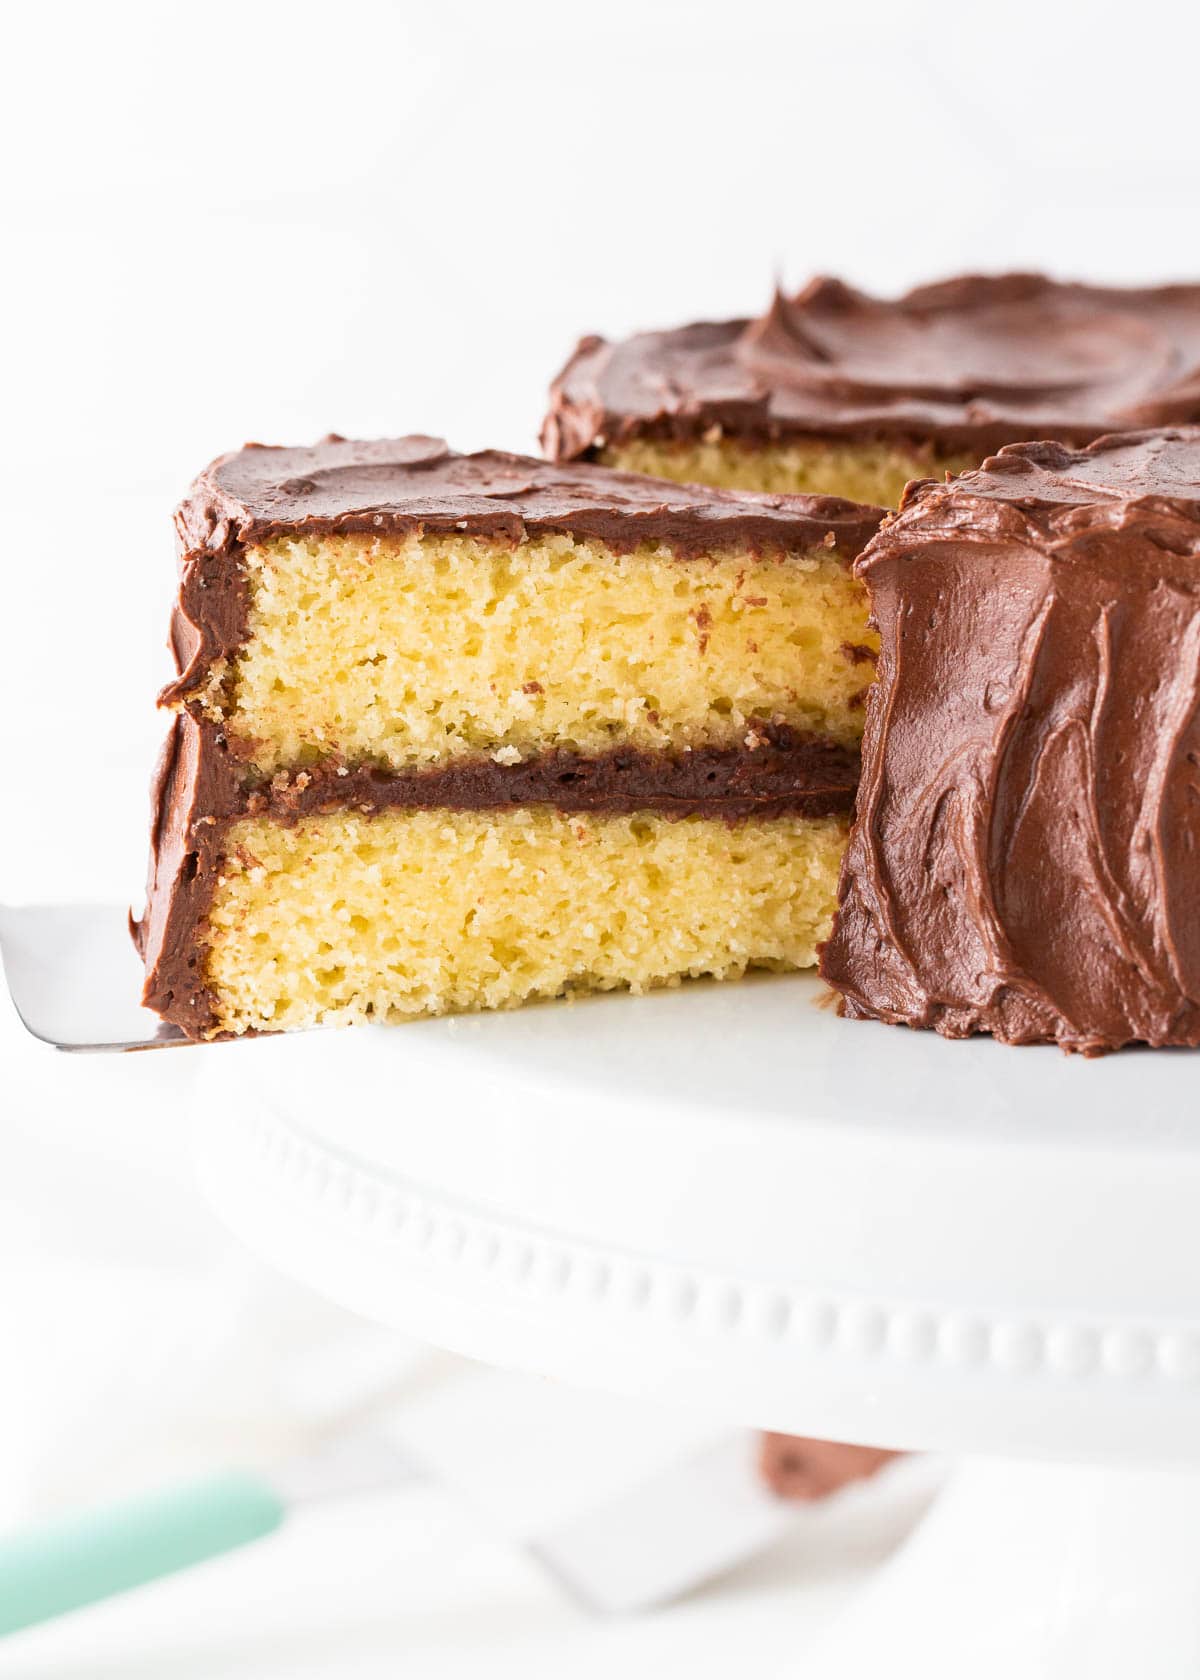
(625, 1507)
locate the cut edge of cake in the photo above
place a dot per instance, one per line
(250, 843)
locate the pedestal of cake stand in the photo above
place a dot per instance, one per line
(728, 1196)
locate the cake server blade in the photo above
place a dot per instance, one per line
(671, 1533)
(76, 980)
(643, 1547)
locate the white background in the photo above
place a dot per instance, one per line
(238, 221)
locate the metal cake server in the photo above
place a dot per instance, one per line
(75, 978)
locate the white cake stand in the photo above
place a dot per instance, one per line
(727, 1194)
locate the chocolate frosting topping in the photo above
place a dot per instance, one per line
(970, 363)
(1025, 858)
(395, 486)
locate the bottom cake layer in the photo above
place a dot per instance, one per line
(342, 918)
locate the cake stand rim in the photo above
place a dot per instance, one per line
(887, 1320)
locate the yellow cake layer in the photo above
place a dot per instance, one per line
(405, 652)
(346, 918)
(862, 472)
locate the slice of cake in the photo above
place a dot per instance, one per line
(1025, 859)
(457, 731)
(838, 393)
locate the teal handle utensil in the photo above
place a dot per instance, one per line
(64, 1565)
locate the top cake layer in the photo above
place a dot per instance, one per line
(391, 604)
(968, 364)
(395, 488)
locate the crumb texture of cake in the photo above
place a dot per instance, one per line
(832, 388)
(403, 652)
(342, 918)
(863, 472)
(1025, 858)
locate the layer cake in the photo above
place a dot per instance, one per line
(458, 731)
(835, 392)
(1025, 859)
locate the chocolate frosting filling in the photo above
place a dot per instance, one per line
(972, 363)
(1025, 858)
(202, 787)
(397, 486)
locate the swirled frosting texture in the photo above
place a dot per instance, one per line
(975, 362)
(1025, 859)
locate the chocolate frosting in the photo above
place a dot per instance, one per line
(783, 773)
(202, 786)
(1025, 858)
(968, 364)
(395, 486)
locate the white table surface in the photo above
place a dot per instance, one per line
(405, 1584)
